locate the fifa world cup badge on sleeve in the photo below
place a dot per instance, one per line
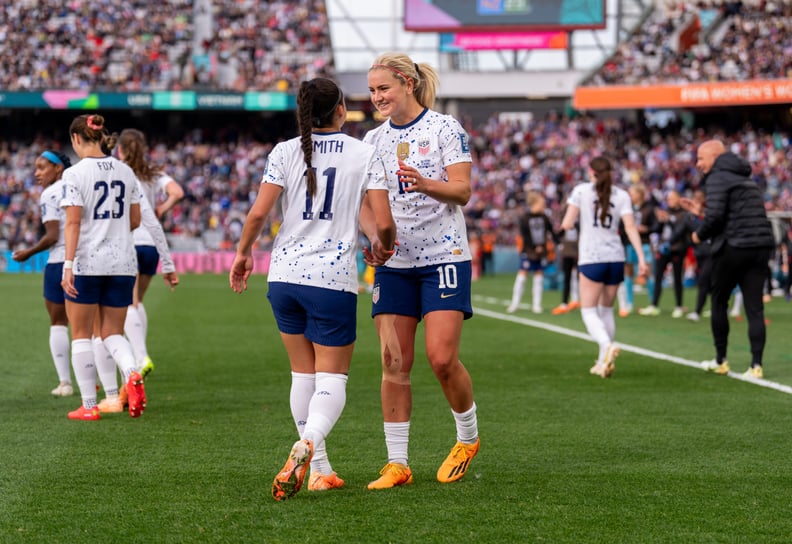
(403, 150)
(463, 140)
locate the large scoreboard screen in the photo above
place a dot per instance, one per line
(502, 15)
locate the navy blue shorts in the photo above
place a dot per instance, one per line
(607, 273)
(324, 316)
(53, 274)
(112, 291)
(530, 265)
(148, 259)
(415, 292)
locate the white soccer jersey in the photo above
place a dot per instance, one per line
(600, 242)
(156, 187)
(318, 240)
(51, 211)
(428, 231)
(150, 233)
(105, 188)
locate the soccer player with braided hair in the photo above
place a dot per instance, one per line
(598, 207)
(321, 178)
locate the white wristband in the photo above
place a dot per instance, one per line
(68, 264)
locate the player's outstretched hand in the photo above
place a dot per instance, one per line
(240, 272)
(171, 279)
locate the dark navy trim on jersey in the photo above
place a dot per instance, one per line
(411, 123)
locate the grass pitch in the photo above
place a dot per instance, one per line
(659, 453)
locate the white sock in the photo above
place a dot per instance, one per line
(596, 329)
(466, 425)
(606, 315)
(397, 438)
(121, 351)
(326, 406)
(573, 287)
(105, 367)
(133, 328)
(537, 287)
(84, 370)
(302, 389)
(143, 318)
(621, 296)
(59, 348)
(517, 290)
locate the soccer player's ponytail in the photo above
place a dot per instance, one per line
(317, 101)
(603, 181)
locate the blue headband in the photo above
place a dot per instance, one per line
(52, 157)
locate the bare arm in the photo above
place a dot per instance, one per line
(175, 193)
(570, 217)
(628, 220)
(254, 223)
(456, 191)
(71, 237)
(49, 239)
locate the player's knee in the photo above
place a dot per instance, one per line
(443, 366)
(395, 369)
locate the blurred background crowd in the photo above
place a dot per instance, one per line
(255, 44)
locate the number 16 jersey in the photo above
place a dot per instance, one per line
(600, 241)
(105, 188)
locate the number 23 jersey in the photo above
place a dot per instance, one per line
(105, 188)
(317, 243)
(600, 242)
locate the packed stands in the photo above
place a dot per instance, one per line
(121, 45)
(705, 41)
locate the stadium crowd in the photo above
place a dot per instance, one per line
(511, 156)
(117, 45)
(741, 42)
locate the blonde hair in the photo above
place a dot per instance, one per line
(533, 198)
(424, 77)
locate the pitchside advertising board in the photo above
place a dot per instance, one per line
(689, 95)
(157, 100)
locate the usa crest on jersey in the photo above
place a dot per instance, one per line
(423, 146)
(375, 294)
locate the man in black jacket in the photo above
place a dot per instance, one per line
(742, 238)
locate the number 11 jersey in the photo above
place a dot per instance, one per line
(317, 243)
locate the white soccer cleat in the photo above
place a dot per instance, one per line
(63, 390)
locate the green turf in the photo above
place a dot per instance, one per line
(659, 453)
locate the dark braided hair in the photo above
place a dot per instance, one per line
(603, 182)
(317, 101)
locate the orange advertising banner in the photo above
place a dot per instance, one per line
(743, 93)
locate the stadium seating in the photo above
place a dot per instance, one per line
(148, 46)
(704, 42)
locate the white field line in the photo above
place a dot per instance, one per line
(502, 316)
